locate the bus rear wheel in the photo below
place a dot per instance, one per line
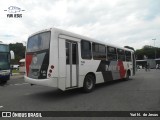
(127, 76)
(89, 83)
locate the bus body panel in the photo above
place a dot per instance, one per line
(62, 65)
(53, 57)
(4, 74)
(52, 82)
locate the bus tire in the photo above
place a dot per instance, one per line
(8, 78)
(89, 83)
(127, 76)
(3, 82)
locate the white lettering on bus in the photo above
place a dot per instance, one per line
(112, 67)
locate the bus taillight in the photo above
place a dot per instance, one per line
(49, 75)
(52, 66)
(50, 71)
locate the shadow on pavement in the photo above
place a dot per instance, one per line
(2, 83)
(56, 94)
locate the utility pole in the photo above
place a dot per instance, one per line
(154, 47)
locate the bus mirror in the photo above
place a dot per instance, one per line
(12, 55)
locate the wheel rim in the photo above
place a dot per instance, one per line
(89, 83)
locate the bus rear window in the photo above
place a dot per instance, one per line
(39, 42)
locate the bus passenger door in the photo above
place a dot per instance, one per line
(71, 64)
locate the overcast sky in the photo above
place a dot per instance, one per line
(122, 22)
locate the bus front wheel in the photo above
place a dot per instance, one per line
(89, 83)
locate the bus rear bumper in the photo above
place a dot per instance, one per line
(52, 82)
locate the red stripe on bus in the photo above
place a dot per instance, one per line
(28, 62)
(122, 71)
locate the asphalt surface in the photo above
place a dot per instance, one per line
(141, 93)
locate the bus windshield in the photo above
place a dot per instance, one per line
(4, 61)
(4, 48)
(39, 42)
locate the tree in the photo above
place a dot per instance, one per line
(148, 51)
(19, 51)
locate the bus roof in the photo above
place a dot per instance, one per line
(64, 32)
(1, 43)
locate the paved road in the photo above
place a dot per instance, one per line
(141, 93)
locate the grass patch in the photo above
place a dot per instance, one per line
(15, 71)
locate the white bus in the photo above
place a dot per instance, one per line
(5, 58)
(22, 65)
(65, 60)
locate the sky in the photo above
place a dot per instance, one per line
(122, 22)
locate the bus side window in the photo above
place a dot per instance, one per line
(86, 49)
(99, 51)
(121, 54)
(111, 53)
(128, 55)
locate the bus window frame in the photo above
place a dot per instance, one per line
(97, 54)
(111, 55)
(84, 52)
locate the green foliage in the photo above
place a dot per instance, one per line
(149, 51)
(15, 71)
(19, 51)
